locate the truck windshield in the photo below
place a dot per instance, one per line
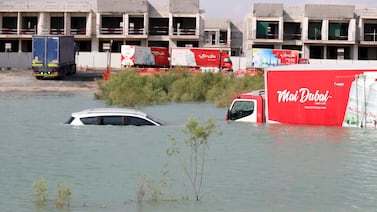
(241, 109)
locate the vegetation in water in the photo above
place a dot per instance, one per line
(64, 196)
(41, 198)
(129, 88)
(196, 153)
(193, 161)
(40, 191)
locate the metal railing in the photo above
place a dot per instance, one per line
(111, 31)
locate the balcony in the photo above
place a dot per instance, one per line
(28, 31)
(111, 31)
(159, 30)
(371, 36)
(158, 26)
(136, 31)
(8, 31)
(78, 31)
(338, 31)
(183, 32)
(370, 32)
(56, 31)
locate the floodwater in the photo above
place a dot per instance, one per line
(248, 168)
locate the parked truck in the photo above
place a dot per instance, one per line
(53, 56)
(264, 58)
(140, 56)
(207, 59)
(308, 94)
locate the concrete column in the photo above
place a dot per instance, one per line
(126, 20)
(197, 26)
(325, 29)
(171, 28)
(305, 29)
(361, 33)
(90, 24)
(1, 21)
(229, 36)
(253, 28)
(352, 30)
(43, 26)
(95, 45)
(306, 51)
(19, 21)
(217, 37)
(67, 23)
(146, 24)
(355, 52)
(281, 28)
(98, 24)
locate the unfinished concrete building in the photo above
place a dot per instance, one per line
(323, 32)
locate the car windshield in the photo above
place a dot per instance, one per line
(155, 120)
(69, 121)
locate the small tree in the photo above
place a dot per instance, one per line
(197, 142)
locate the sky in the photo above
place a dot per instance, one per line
(238, 9)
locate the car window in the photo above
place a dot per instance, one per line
(112, 120)
(89, 120)
(138, 121)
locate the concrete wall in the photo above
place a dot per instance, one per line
(329, 11)
(15, 60)
(268, 10)
(123, 6)
(184, 6)
(41, 6)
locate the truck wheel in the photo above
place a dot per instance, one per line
(39, 78)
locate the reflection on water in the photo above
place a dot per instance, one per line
(249, 168)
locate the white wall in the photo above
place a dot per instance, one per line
(98, 60)
(84, 60)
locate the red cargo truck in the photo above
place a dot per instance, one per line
(207, 59)
(308, 94)
(141, 56)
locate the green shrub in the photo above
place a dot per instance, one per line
(128, 88)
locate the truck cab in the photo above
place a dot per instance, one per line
(226, 62)
(247, 107)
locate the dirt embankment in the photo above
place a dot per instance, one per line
(22, 80)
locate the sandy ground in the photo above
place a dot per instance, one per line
(22, 80)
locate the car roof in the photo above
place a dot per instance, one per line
(108, 112)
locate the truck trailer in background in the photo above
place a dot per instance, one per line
(264, 58)
(308, 94)
(141, 56)
(207, 59)
(53, 56)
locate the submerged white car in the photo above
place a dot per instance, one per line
(112, 116)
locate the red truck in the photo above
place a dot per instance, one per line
(207, 59)
(312, 94)
(141, 56)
